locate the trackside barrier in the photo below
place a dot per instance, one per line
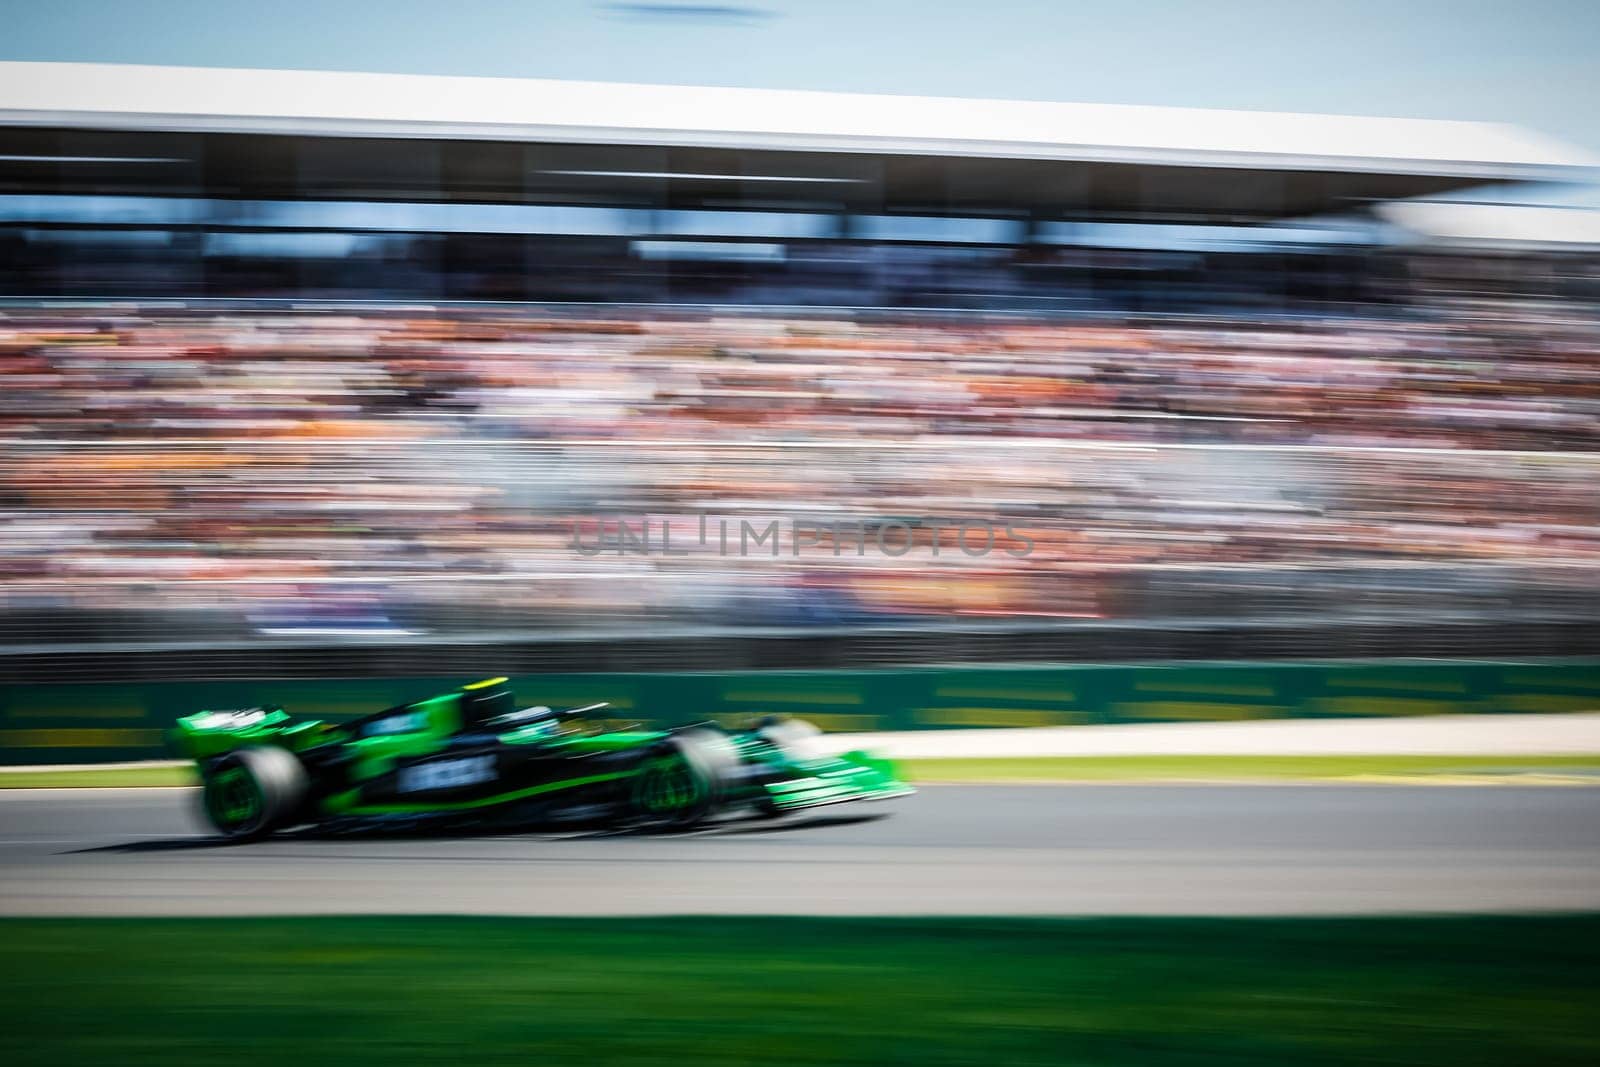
(87, 722)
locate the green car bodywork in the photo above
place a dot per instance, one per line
(472, 754)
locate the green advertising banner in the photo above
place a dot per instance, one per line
(85, 723)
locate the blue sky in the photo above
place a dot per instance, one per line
(1530, 63)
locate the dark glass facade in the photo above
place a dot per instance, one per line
(101, 214)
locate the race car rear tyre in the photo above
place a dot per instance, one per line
(683, 779)
(249, 793)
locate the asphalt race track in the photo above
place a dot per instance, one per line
(1044, 850)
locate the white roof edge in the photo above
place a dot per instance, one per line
(1531, 226)
(431, 106)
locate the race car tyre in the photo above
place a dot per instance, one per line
(796, 739)
(249, 793)
(718, 751)
(682, 780)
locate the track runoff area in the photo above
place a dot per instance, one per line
(1264, 818)
(1441, 911)
(1148, 924)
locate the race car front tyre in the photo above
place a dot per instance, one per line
(796, 739)
(681, 781)
(249, 793)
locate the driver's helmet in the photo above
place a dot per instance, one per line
(482, 701)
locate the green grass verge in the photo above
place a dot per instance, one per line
(1246, 768)
(471, 992)
(1442, 769)
(45, 778)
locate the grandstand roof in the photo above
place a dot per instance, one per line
(606, 143)
(195, 98)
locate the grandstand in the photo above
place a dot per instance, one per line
(303, 372)
(183, 182)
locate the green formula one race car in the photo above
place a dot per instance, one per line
(472, 757)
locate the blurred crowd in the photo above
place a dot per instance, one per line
(1522, 377)
(393, 470)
